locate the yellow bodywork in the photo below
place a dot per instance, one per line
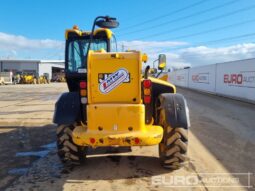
(117, 124)
(164, 77)
(27, 79)
(80, 33)
(108, 63)
(42, 80)
(116, 117)
(164, 83)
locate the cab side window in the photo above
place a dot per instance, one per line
(75, 60)
(113, 44)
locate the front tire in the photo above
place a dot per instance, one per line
(69, 153)
(173, 116)
(173, 150)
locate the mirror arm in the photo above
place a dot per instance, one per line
(115, 43)
(159, 73)
(146, 72)
(154, 63)
(92, 32)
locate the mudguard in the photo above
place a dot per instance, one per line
(176, 110)
(67, 108)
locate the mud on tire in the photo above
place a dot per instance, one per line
(174, 117)
(68, 152)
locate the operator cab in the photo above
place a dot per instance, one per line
(77, 43)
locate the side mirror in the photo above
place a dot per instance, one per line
(104, 22)
(107, 22)
(161, 61)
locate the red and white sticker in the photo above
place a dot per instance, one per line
(113, 80)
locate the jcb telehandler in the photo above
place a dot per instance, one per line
(112, 103)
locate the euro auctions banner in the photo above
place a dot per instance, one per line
(203, 78)
(232, 79)
(179, 78)
(236, 79)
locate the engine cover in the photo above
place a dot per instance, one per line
(114, 77)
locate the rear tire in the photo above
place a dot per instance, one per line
(174, 145)
(68, 152)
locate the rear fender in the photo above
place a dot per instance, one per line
(67, 108)
(176, 110)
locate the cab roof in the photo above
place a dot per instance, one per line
(98, 32)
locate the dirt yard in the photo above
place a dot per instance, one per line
(221, 143)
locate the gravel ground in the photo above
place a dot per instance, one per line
(221, 140)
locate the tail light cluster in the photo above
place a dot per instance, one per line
(147, 84)
(83, 92)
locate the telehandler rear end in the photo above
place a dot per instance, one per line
(111, 103)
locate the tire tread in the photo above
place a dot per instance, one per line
(68, 152)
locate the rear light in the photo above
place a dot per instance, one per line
(147, 99)
(84, 100)
(137, 141)
(92, 140)
(146, 83)
(147, 91)
(83, 92)
(83, 85)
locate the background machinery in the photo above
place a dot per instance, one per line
(6, 78)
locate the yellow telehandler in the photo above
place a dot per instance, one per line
(112, 103)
